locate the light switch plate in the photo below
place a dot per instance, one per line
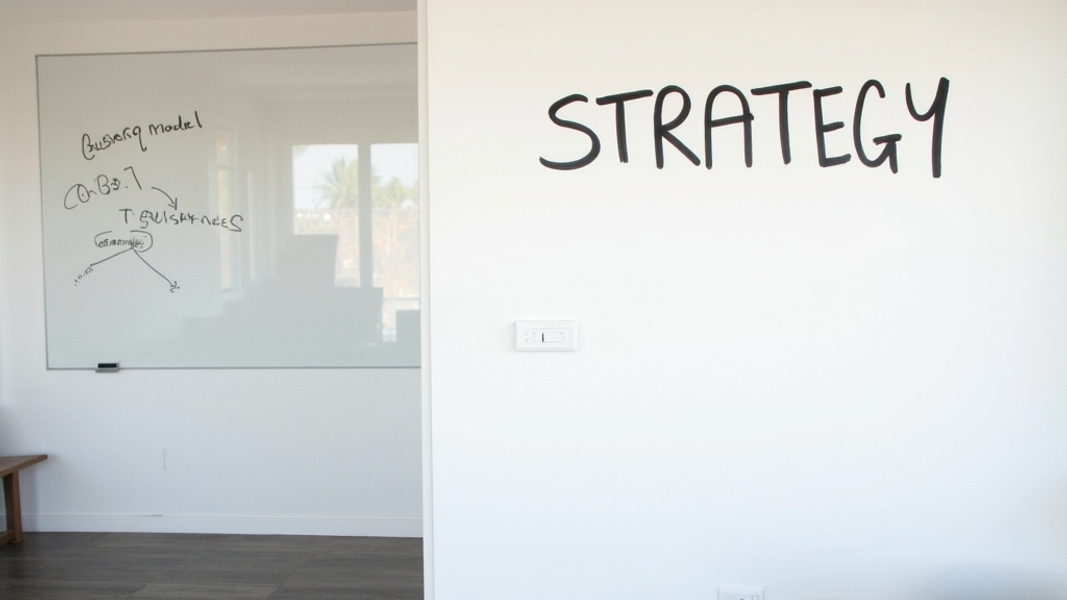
(546, 336)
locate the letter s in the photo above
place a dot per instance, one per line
(594, 149)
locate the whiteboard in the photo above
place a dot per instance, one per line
(187, 224)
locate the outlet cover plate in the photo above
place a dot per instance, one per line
(742, 592)
(546, 336)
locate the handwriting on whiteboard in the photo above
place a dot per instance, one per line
(91, 146)
(138, 205)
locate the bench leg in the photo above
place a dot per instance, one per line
(13, 509)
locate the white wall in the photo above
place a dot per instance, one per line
(834, 382)
(262, 451)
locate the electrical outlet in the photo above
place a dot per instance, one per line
(738, 592)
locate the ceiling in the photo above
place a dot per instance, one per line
(81, 11)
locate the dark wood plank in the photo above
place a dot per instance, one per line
(64, 590)
(203, 591)
(94, 566)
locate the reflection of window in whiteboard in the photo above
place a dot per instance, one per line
(225, 150)
(326, 201)
(395, 224)
(378, 242)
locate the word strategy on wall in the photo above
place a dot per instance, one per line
(665, 124)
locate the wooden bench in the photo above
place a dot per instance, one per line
(9, 470)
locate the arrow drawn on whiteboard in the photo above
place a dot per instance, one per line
(110, 257)
(173, 202)
(137, 251)
(173, 284)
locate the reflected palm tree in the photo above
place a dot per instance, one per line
(339, 185)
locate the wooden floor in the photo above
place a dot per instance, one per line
(98, 566)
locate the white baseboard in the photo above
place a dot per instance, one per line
(227, 524)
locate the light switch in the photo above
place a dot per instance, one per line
(546, 336)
